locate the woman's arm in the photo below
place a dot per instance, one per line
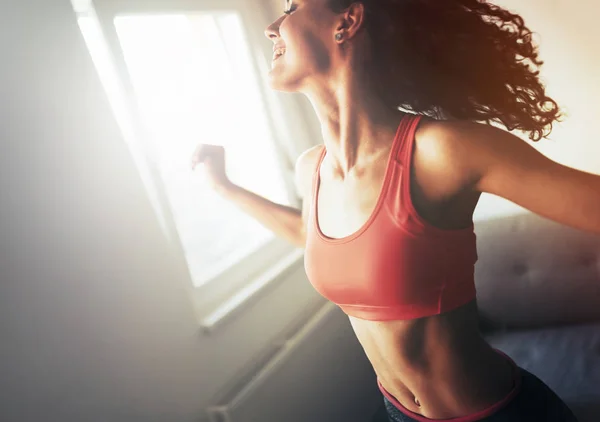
(286, 222)
(494, 161)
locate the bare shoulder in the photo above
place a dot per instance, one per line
(305, 167)
(441, 140)
(448, 155)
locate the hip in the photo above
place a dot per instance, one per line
(529, 400)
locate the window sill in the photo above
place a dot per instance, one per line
(250, 292)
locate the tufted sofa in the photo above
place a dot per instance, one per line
(538, 294)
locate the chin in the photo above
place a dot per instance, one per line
(277, 84)
(279, 80)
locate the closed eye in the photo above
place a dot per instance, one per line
(289, 11)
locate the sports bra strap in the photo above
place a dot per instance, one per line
(409, 129)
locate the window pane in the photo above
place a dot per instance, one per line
(195, 82)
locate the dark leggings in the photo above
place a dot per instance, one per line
(535, 402)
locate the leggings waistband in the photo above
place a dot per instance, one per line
(469, 418)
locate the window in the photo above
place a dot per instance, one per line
(177, 77)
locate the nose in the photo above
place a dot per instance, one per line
(272, 31)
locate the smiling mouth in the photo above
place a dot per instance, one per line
(278, 53)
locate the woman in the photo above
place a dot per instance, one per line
(405, 91)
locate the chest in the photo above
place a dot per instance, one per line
(344, 206)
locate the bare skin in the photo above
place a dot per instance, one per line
(437, 366)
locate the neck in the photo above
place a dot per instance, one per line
(356, 125)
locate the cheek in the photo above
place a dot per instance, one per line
(307, 46)
(319, 50)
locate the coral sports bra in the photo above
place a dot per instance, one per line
(396, 266)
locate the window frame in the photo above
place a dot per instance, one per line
(239, 284)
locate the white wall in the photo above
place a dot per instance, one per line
(95, 319)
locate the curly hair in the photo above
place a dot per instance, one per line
(458, 59)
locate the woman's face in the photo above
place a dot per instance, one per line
(303, 44)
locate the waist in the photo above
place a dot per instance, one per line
(480, 396)
(439, 367)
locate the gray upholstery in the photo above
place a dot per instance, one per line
(538, 290)
(566, 358)
(533, 272)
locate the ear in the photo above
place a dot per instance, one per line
(352, 20)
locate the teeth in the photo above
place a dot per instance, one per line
(279, 52)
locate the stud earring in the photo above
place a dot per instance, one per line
(339, 36)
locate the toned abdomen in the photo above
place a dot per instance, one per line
(437, 366)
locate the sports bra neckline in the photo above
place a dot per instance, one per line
(380, 199)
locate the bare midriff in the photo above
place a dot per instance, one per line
(439, 366)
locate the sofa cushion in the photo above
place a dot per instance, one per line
(533, 272)
(566, 358)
